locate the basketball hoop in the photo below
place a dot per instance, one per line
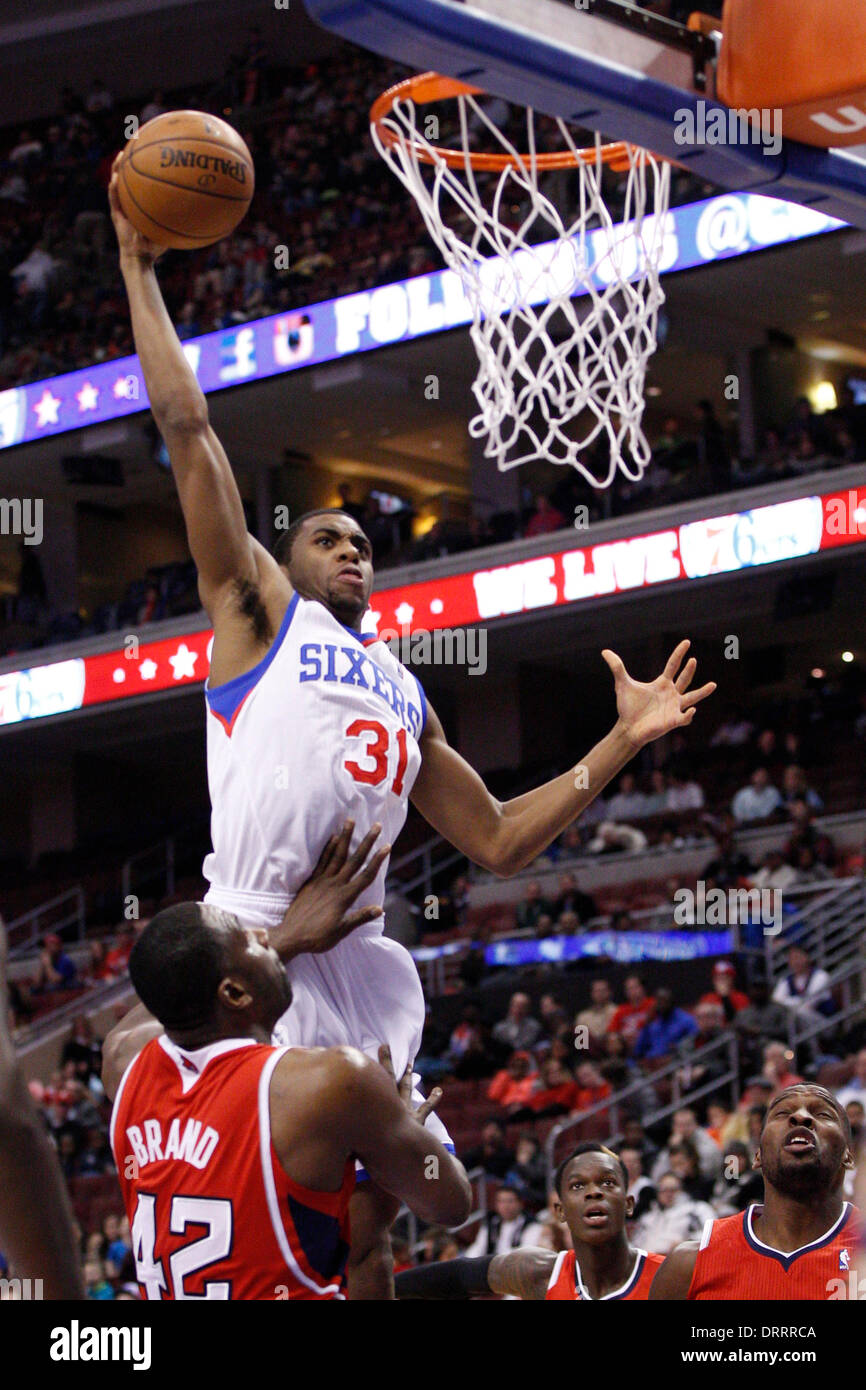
(565, 325)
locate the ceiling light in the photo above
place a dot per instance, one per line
(847, 657)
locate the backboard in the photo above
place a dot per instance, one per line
(605, 65)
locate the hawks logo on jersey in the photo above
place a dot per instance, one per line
(733, 1263)
(212, 1213)
(566, 1281)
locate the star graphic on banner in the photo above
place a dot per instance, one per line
(147, 669)
(46, 408)
(183, 662)
(404, 614)
(436, 605)
(372, 619)
(87, 397)
(125, 388)
(118, 675)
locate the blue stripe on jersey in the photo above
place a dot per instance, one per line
(319, 1234)
(423, 695)
(225, 700)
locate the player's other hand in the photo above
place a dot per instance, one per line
(647, 711)
(320, 915)
(133, 246)
(404, 1087)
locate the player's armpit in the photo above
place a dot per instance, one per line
(523, 1273)
(674, 1279)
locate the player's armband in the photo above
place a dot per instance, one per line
(446, 1279)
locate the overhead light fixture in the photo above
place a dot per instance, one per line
(817, 673)
(847, 657)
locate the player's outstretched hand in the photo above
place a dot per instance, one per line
(647, 711)
(404, 1086)
(319, 916)
(133, 246)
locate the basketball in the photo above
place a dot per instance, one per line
(186, 179)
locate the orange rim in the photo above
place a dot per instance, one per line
(431, 86)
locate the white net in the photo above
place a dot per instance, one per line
(564, 301)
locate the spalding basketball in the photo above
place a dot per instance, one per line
(186, 179)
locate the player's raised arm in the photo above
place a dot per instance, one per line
(357, 1099)
(36, 1224)
(218, 538)
(504, 837)
(674, 1279)
(522, 1273)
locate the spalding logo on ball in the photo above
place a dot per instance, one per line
(186, 179)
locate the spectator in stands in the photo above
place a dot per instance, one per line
(533, 906)
(83, 1049)
(117, 958)
(709, 1023)
(571, 899)
(508, 1227)
(513, 1086)
(544, 519)
(713, 456)
(56, 969)
(617, 839)
(655, 802)
(616, 1065)
(805, 990)
(734, 732)
(796, 788)
(685, 1163)
(518, 1029)
(640, 1187)
(683, 793)
(114, 1247)
(723, 993)
(492, 1154)
(685, 1126)
(634, 1134)
(467, 1056)
(554, 1091)
(738, 1185)
(554, 1019)
(97, 968)
(805, 833)
(528, 1173)
(627, 803)
(761, 1019)
(673, 1217)
(777, 1066)
(855, 1089)
(774, 872)
(95, 1281)
(597, 1017)
(758, 800)
(592, 1087)
(631, 1016)
(729, 864)
(807, 868)
(667, 1027)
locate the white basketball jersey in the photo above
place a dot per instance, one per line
(323, 729)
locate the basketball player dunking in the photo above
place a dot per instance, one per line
(312, 721)
(803, 1237)
(593, 1201)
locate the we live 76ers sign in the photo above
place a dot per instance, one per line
(697, 549)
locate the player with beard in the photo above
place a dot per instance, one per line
(803, 1236)
(593, 1201)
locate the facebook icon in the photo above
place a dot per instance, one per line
(238, 354)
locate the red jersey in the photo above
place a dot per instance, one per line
(566, 1282)
(630, 1018)
(212, 1213)
(733, 1263)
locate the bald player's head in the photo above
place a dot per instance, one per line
(806, 1143)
